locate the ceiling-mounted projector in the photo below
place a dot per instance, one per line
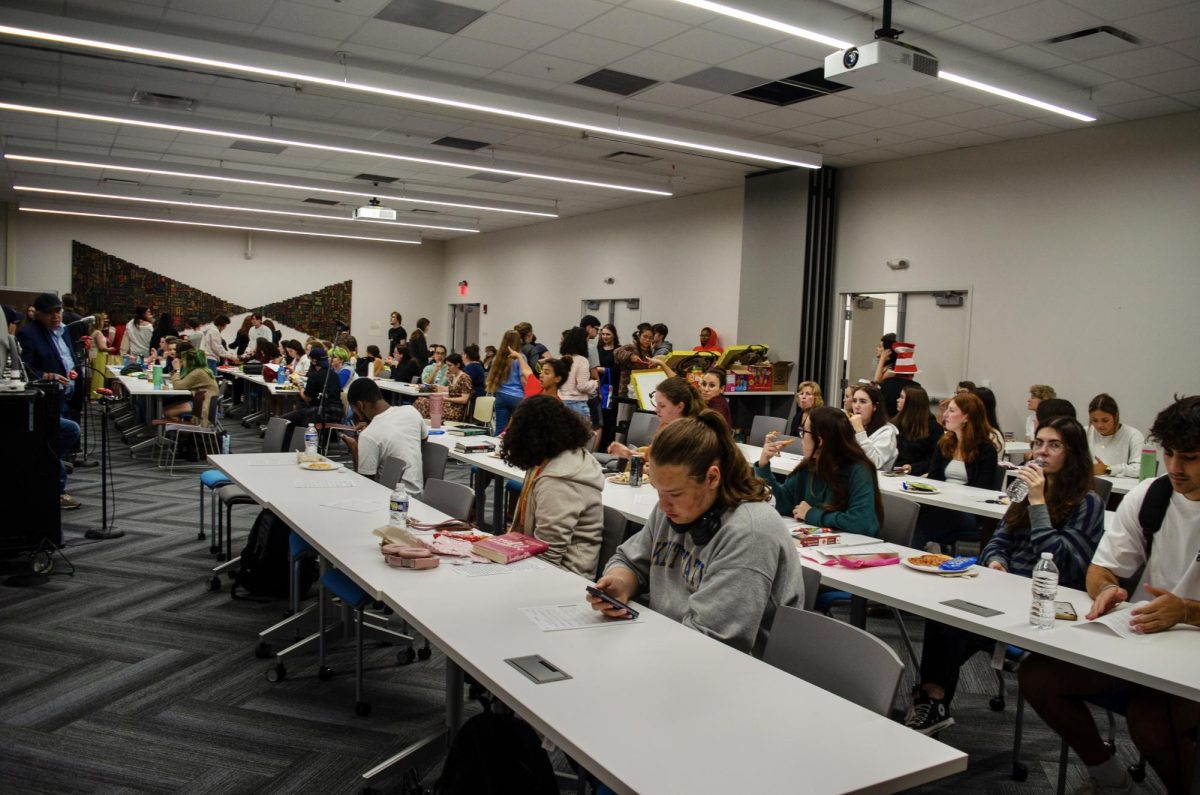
(374, 211)
(884, 65)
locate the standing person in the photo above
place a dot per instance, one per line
(489, 356)
(885, 358)
(48, 354)
(213, 344)
(808, 397)
(731, 563)
(1116, 448)
(660, 344)
(138, 332)
(258, 331)
(436, 372)
(192, 332)
(560, 498)
(396, 333)
(404, 367)
(579, 387)
(1060, 515)
(98, 353)
(474, 369)
(964, 454)
(504, 379)
(709, 341)
(835, 485)
(637, 355)
(524, 329)
(609, 378)
(241, 339)
(418, 342)
(1162, 726)
(874, 433)
(899, 373)
(71, 312)
(591, 327)
(712, 391)
(917, 430)
(385, 431)
(1037, 393)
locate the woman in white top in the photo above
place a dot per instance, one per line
(138, 331)
(1116, 448)
(875, 435)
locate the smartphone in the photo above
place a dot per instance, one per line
(617, 603)
(1065, 611)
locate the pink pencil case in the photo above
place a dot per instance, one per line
(868, 561)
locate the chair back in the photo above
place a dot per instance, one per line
(642, 427)
(899, 519)
(392, 471)
(1103, 488)
(999, 478)
(762, 425)
(835, 656)
(812, 586)
(296, 441)
(433, 460)
(482, 411)
(453, 499)
(276, 437)
(613, 535)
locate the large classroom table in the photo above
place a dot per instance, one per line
(651, 706)
(143, 389)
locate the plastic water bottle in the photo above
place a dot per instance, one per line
(310, 439)
(398, 506)
(1045, 591)
(280, 375)
(1018, 489)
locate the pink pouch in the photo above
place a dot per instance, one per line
(868, 561)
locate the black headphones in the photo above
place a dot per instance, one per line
(703, 529)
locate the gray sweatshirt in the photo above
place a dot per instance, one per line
(565, 511)
(730, 587)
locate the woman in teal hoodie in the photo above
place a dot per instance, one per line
(834, 486)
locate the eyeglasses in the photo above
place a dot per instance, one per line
(1053, 444)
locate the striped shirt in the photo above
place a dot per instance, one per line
(1072, 544)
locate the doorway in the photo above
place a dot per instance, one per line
(623, 313)
(464, 326)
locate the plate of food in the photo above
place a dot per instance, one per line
(620, 479)
(919, 487)
(929, 562)
(320, 466)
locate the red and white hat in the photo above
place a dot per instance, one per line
(905, 364)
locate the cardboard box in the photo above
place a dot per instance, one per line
(781, 372)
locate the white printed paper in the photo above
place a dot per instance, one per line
(323, 483)
(470, 569)
(552, 618)
(1116, 621)
(358, 506)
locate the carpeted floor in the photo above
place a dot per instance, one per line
(130, 676)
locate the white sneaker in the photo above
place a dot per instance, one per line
(1093, 787)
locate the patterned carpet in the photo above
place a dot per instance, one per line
(130, 676)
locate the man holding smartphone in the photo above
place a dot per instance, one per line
(1157, 527)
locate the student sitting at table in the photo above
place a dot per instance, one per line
(1061, 515)
(436, 372)
(1037, 393)
(293, 352)
(713, 554)
(964, 454)
(385, 431)
(674, 398)
(1116, 448)
(340, 361)
(874, 434)
(808, 397)
(404, 367)
(835, 486)
(193, 375)
(917, 430)
(712, 391)
(1162, 726)
(560, 498)
(320, 382)
(456, 395)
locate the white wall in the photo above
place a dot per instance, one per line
(386, 277)
(1079, 250)
(680, 256)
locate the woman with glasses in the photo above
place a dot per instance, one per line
(1061, 515)
(834, 486)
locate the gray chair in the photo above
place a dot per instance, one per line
(1103, 489)
(762, 425)
(392, 471)
(453, 499)
(296, 443)
(433, 460)
(613, 535)
(273, 442)
(835, 656)
(899, 525)
(642, 427)
(812, 586)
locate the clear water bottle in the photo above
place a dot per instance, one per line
(1018, 489)
(310, 439)
(1045, 591)
(398, 506)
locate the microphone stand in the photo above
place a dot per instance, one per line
(337, 329)
(105, 532)
(85, 371)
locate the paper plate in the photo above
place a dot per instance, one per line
(904, 561)
(925, 489)
(321, 466)
(617, 480)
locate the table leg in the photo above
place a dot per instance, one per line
(481, 481)
(454, 699)
(858, 612)
(498, 505)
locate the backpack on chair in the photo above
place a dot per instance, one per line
(263, 567)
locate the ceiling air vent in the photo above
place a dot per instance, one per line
(1093, 43)
(258, 146)
(489, 177)
(377, 178)
(460, 143)
(430, 15)
(423, 211)
(322, 202)
(790, 90)
(118, 181)
(615, 82)
(630, 158)
(201, 194)
(152, 99)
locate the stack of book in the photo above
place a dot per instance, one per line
(479, 446)
(509, 547)
(466, 430)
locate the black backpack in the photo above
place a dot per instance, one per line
(263, 567)
(495, 754)
(1154, 509)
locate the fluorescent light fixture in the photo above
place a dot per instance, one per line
(413, 96)
(783, 27)
(215, 226)
(227, 207)
(57, 161)
(1003, 92)
(349, 150)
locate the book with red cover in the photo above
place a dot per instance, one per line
(509, 547)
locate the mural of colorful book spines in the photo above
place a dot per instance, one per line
(313, 311)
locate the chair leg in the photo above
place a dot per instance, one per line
(201, 536)
(361, 708)
(1019, 771)
(218, 524)
(1062, 768)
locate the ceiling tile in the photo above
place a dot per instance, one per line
(676, 11)
(566, 14)
(1189, 47)
(1170, 24)
(392, 35)
(671, 94)
(738, 108)
(789, 118)
(876, 138)
(633, 27)
(882, 117)
(1145, 108)
(833, 128)
(873, 155)
(1192, 98)
(967, 138)
(1121, 9)
(834, 105)
(252, 11)
(1032, 57)
(715, 47)
(809, 49)
(772, 63)
(1026, 128)
(1176, 82)
(1118, 91)
(1145, 61)
(926, 128)
(912, 18)
(589, 49)
(305, 42)
(746, 31)
(914, 148)
(184, 21)
(476, 53)
(549, 68)
(454, 68)
(938, 105)
(1039, 21)
(657, 65)
(973, 9)
(970, 36)
(360, 8)
(511, 32)
(313, 21)
(980, 118)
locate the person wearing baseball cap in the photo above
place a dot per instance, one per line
(49, 356)
(319, 380)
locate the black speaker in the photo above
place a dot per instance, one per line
(29, 468)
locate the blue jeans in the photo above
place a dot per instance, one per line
(68, 437)
(580, 407)
(505, 405)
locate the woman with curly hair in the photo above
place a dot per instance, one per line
(560, 498)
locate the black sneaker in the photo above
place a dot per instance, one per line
(928, 715)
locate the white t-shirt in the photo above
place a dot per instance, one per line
(1176, 547)
(956, 472)
(396, 432)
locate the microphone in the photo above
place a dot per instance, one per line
(341, 326)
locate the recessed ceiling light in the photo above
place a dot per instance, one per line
(224, 207)
(348, 150)
(116, 217)
(110, 166)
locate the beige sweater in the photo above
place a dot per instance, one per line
(565, 511)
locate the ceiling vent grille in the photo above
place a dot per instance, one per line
(615, 82)
(258, 146)
(322, 202)
(152, 99)
(790, 90)
(460, 143)
(630, 158)
(377, 178)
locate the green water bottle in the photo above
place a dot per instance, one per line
(1149, 466)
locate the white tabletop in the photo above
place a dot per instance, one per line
(390, 385)
(752, 393)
